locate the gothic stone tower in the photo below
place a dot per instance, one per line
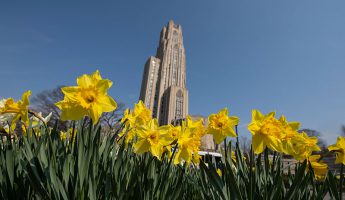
(163, 87)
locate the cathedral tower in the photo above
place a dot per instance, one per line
(163, 87)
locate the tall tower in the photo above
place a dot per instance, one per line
(163, 87)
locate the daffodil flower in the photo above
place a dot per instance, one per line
(304, 146)
(267, 132)
(221, 125)
(320, 168)
(141, 114)
(151, 138)
(89, 97)
(19, 109)
(339, 149)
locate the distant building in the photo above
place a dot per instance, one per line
(163, 87)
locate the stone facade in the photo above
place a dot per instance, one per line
(163, 88)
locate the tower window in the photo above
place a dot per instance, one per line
(179, 105)
(174, 65)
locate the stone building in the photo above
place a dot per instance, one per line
(163, 87)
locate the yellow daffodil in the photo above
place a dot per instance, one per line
(89, 97)
(195, 146)
(197, 126)
(185, 147)
(128, 134)
(319, 167)
(188, 140)
(19, 108)
(5, 118)
(129, 127)
(221, 125)
(304, 146)
(127, 118)
(197, 130)
(290, 130)
(339, 149)
(174, 132)
(151, 138)
(267, 132)
(188, 145)
(141, 114)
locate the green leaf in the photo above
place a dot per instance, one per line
(214, 179)
(297, 181)
(332, 187)
(10, 166)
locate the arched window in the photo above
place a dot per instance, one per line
(174, 65)
(179, 105)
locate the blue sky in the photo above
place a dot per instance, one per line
(286, 56)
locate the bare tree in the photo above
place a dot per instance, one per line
(45, 102)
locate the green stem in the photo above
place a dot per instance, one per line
(166, 170)
(70, 145)
(225, 149)
(90, 135)
(122, 127)
(341, 182)
(266, 163)
(251, 173)
(273, 162)
(236, 134)
(172, 156)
